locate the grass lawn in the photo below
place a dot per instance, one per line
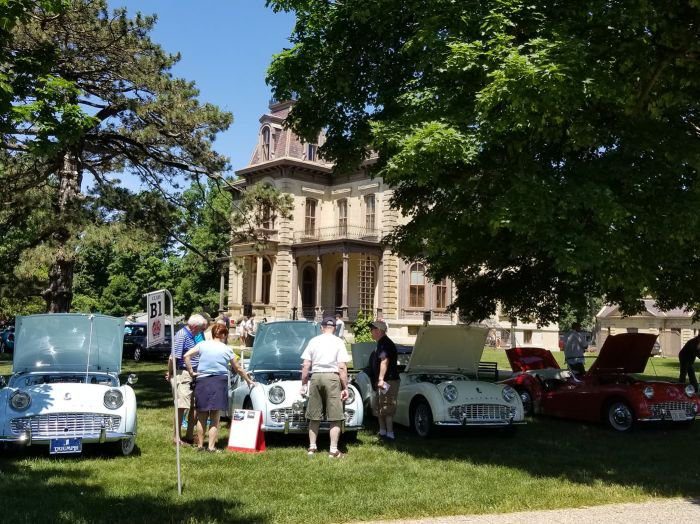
(547, 464)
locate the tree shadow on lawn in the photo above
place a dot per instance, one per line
(152, 390)
(662, 460)
(60, 494)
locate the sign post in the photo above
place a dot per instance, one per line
(155, 333)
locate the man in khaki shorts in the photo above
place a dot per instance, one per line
(325, 359)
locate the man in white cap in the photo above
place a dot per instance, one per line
(325, 359)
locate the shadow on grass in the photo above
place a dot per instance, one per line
(661, 460)
(56, 493)
(152, 390)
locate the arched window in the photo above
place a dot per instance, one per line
(308, 288)
(441, 294)
(338, 287)
(266, 281)
(416, 292)
(266, 143)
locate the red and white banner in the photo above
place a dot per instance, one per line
(155, 326)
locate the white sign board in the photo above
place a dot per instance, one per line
(246, 431)
(155, 325)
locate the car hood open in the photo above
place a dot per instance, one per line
(71, 342)
(279, 345)
(527, 359)
(448, 348)
(624, 353)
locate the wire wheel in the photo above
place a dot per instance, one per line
(422, 419)
(526, 398)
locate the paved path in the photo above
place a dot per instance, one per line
(652, 512)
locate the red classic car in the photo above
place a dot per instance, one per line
(607, 392)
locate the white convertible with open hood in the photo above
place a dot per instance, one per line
(437, 388)
(64, 390)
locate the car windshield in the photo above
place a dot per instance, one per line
(279, 345)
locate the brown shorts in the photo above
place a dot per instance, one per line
(183, 382)
(324, 397)
(384, 404)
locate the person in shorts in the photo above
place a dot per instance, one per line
(324, 377)
(384, 367)
(178, 376)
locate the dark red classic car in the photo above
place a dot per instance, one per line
(607, 392)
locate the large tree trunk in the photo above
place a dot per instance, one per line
(59, 294)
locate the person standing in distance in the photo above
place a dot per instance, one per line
(384, 366)
(686, 358)
(339, 326)
(574, 349)
(325, 362)
(178, 376)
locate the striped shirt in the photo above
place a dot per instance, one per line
(184, 341)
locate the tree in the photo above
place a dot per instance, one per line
(107, 104)
(545, 152)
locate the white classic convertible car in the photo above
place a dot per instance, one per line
(64, 390)
(437, 388)
(275, 365)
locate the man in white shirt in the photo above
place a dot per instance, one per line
(325, 359)
(339, 326)
(575, 348)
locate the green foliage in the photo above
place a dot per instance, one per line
(103, 101)
(256, 209)
(361, 327)
(546, 153)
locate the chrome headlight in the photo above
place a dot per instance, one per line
(113, 399)
(690, 390)
(509, 394)
(649, 392)
(20, 401)
(276, 394)
(351, 396)
(450, 393)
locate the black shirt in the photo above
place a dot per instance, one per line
(690, 351)
(385, 349)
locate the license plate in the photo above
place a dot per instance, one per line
(58, 446)
(678, 415)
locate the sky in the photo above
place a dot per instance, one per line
(226, 47)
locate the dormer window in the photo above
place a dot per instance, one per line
(311, 152)
(266, 143)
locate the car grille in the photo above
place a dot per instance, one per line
(663, 409)
(298, 418)
(65, 424)
(482, 413)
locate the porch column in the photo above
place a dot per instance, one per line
(295, 283)
(222, 287)
(380, 287)
(319, 284)
(346, 264)
(259, 280)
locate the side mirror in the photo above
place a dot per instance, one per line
(132, 379)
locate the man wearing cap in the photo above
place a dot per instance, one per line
(385, 379)
(325, 359)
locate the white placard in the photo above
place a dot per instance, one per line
(246, 431)
(155, 326)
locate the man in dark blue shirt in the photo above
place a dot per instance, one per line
(384, 373)
(178, 376)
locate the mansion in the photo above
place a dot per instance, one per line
(330, 256)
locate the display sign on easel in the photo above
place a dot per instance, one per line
(246, 433)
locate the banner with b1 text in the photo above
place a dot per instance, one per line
(246, 433)
(155, 309)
